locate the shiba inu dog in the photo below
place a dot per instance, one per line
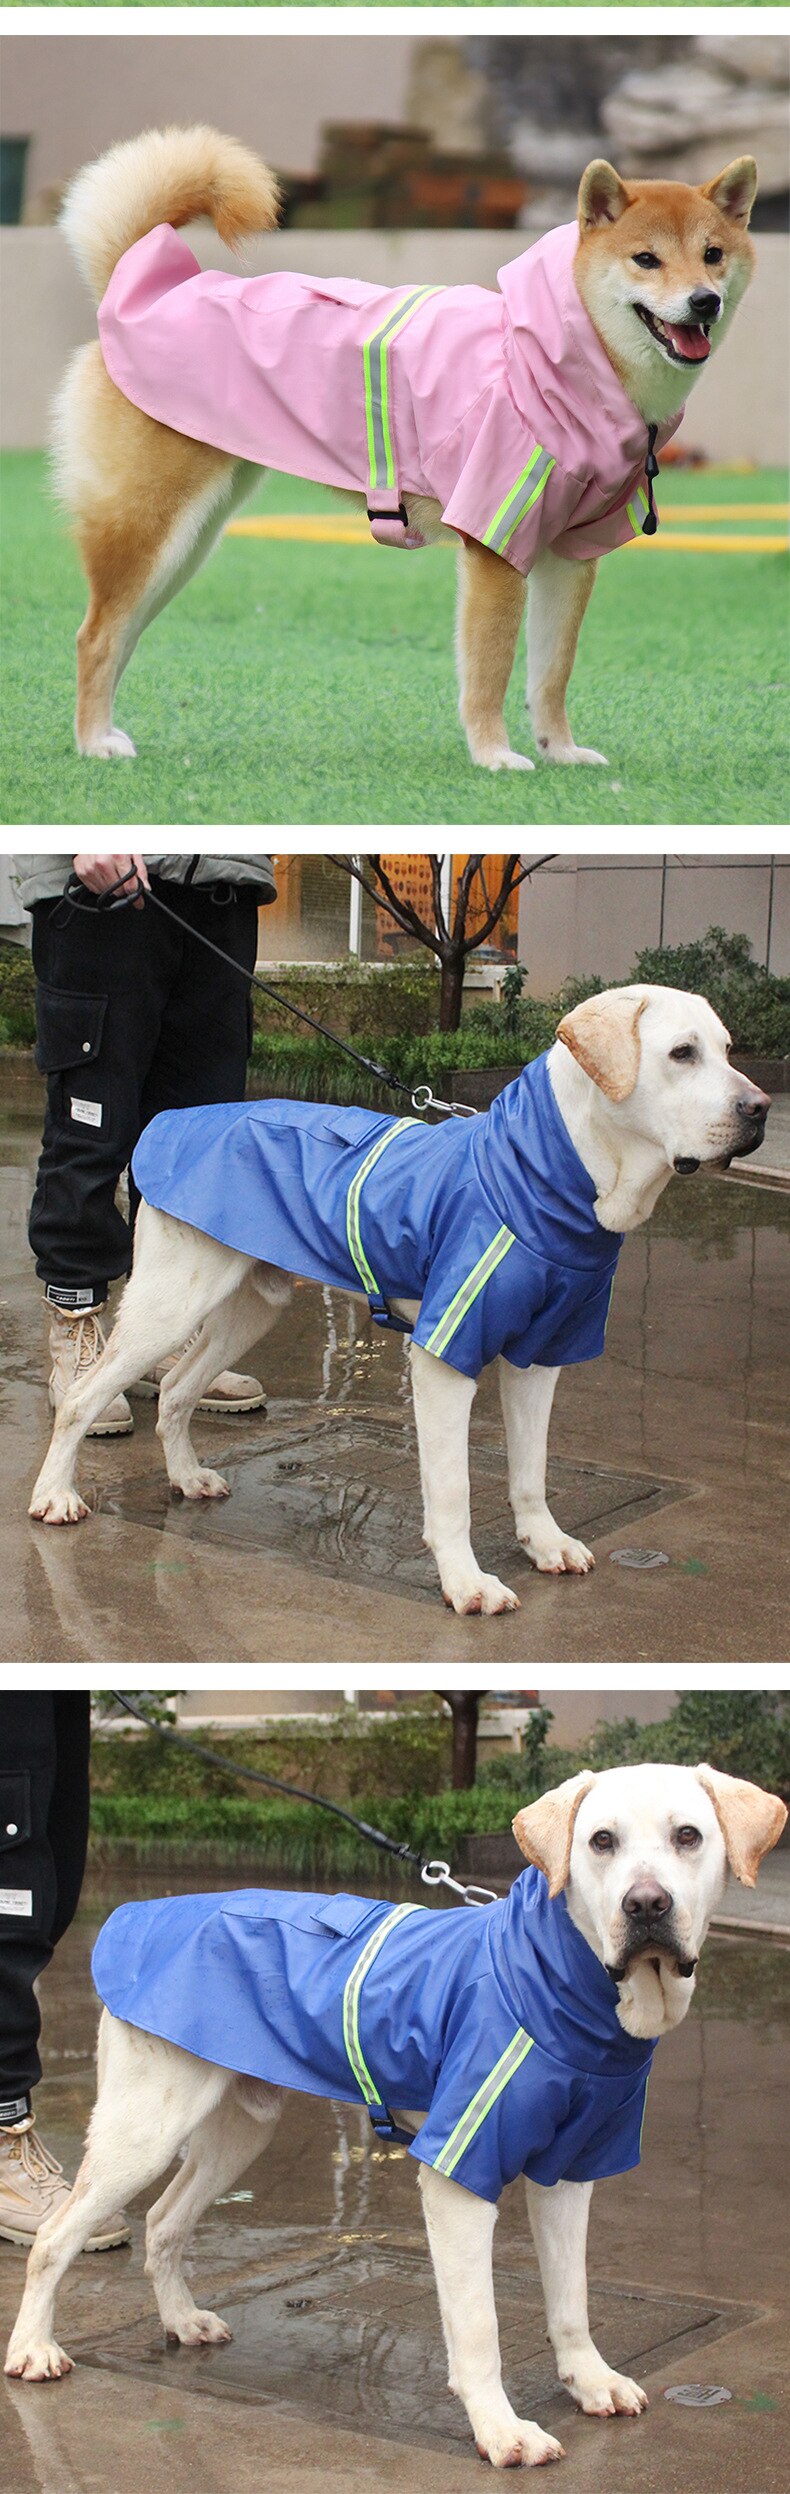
(523, 419)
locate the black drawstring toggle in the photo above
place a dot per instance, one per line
(650, 521)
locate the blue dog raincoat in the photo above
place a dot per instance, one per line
(489, 1221)
(498, 2022)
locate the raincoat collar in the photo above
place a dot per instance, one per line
(534, 1176)
(571, 2008)
(553, 353)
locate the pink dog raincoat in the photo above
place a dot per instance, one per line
(503, 407)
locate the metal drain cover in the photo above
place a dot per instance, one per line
(353, 2333)
(342, 1495)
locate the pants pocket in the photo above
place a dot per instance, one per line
(69, 1033)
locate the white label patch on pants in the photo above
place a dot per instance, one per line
(87, 1112)
(16, 1901)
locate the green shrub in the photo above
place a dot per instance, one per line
(17, 997)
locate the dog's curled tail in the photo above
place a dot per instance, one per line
(165, 177)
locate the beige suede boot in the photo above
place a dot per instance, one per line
(32, 2187)
(76, 1341)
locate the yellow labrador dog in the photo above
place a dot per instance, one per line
(586, 1963)
(525, 1209)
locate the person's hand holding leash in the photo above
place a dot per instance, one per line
(100, 874)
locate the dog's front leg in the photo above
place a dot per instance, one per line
(558, 2218)
(490, 608)
(527, 1396)
(558, 594)
(443, 1400)
(460, 2234)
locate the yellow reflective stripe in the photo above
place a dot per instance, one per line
(483, 2102)
(519, 500)
(351, 1998)
(469, 1291)
(353, 1232)
(376, 379)
(636, 511)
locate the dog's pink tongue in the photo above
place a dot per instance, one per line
(692, 344)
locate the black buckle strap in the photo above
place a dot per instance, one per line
(650, 521)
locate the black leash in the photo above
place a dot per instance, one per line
(130, 889)
(434, 1874)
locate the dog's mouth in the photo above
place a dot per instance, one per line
(685, 342)
(649, 1952)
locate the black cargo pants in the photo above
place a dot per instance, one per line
(133, 1016)
(44, 1800)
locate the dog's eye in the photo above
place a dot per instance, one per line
(603, 1841)
(713, 255)
(688, 1838)
(645, 259)
(685, 1054)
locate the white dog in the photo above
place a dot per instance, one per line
(594, 1948)
(495, 1238)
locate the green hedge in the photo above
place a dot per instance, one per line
(391, 1013)
(148, 1797)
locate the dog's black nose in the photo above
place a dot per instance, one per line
(646, 1901)
(755, 1108)
(704, 304)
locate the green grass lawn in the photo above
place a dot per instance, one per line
(307, 684)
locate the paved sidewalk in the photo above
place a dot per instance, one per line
(764, 1908)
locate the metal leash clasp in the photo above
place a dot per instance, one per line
(439, 1875)
(422, 1099)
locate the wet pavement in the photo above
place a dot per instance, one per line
(671, 1455)
(336, 2377)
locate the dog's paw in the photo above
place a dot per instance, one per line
(519, 2445)
(47, 2362)
(61, 1507)
(202, 2329)
(598, 2392)
(503, 758)
(475, 1593)
(203, 1483)
(557, 1555)
(111, 746)
(571, 753)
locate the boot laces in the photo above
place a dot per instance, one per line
(88, 1340)
(37, 2162)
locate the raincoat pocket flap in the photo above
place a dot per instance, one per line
(354, 292)
(343, 1915)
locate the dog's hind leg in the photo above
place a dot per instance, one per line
(149, 505)
(151, 2097)
(178, 1277)
(222, 1339)
(559, 591)
(220, 2149)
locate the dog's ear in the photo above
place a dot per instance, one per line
(603, 1035)
(544, 1830)
(733, 191)
(602, 196)
(751, 1821)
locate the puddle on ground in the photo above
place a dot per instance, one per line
(342, 1494)
(351, 2333)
